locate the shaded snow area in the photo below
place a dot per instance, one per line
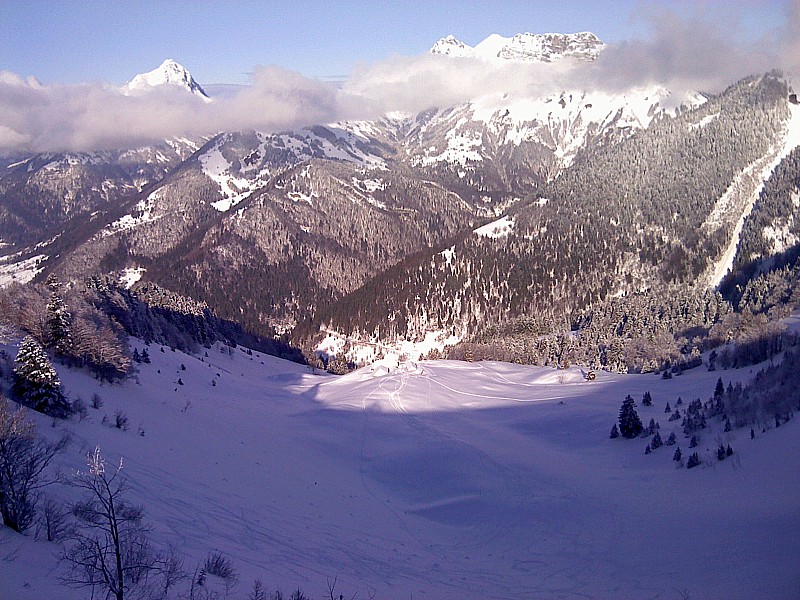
(742, 194)
(433, 480)
(19, 271)
(496, 229)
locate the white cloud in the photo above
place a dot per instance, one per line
(700, 52)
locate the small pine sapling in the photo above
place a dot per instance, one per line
(667, 409)
(678, 454)
(613, 435)
(647, 400)
(671, 441)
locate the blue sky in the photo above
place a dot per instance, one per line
(221, 42)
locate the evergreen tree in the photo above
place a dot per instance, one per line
(693, 461)
(671, 441)
(36, 382)
(667, 408)
(629, 423)
(675, 416)
(145, 356)
(656, 442)
(693, 442)
(719, 390)
(729, 451)
(647, 449)
(614, 431)
(647, 400)
(721, 452)
(59, 321)
(678, 454)
(727, 425)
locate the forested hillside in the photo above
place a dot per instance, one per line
(635, 216)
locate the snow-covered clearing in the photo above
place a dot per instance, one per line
(218, 169)
(502, 227)
(434, 480)
(21, 271)
(131, 275)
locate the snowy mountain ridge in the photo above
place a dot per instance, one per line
(168, 73)
(524, 47)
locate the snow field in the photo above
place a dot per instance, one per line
(434, 479)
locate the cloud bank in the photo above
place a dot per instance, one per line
(700, 53)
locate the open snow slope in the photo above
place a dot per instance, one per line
(434, 480)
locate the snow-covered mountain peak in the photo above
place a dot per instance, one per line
(450, 46)
(168, 73)
(526, 47)
(490, 47)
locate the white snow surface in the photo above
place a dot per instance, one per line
(432, 480)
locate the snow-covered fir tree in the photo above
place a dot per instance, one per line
(36, 382)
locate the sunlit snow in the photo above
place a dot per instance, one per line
(496, 229)
(21, 271)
